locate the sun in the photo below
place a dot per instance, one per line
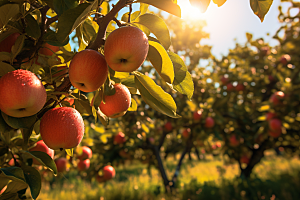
(189, 12)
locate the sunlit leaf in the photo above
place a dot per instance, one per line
(260, 7)
(166, 5)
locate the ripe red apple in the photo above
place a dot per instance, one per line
(245, 159)
(275, 125)
(229, 87)
(239, 87)
(274, 134)
(284, 59)
(83, 164)
(8, 42)
(270, 116)
(41, 146)
(209, 122)
(233, 141)
(48, 49)
(86, 153)
(168, 126)
(116, 105)
(109, 172)
(119, 138)
(218, 144)
(62, 128)
(61, 164)
(186, 132)
(224, 80)
(197, 115)
(276, 98)
(126, 49)
(88, 70)
(22, 93)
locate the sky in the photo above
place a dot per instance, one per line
(232, 20)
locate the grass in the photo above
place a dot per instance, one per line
(274, 178)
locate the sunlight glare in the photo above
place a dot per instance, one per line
(189, 12)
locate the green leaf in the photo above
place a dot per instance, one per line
(70, 152)
(5, 68)
(129, 81)
(260, 7)
(32, 27)
(82, 104)
(71, 19)
(14, 178)
(60, 6)
(161, 61)
(23, 122)
(183, 81)
(33, 179)
(133, 105)
(133, 16)
(50, 38)
(43, 158)
(155, 96)
(17, 47)
(7, 13)
(157, 26)
(88, 32)
(166, 5)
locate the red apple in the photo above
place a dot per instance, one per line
(61, 164)
(284, 59)
(109, 172)
(116, 105)
(197, 115)
(168, 126)
(41, 146)
(8, 42)
(245, 159)
(48, 49)
(85, 153)
(224, 80)
(218, 144)
(186, 133)
(233, 141)
(62, 128)
(274, 134)
(88, 70)
(239, 87)
(229, 87)
(209, 122)
(119, 138)
(270, 116)
(83, 165)
(22, 93)
(275, 125)
(126, 49)
(276, 98)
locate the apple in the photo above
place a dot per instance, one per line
(276, 98)
(224, 80)
(126, 49)
(8, 42)
(213, 146)
(284, 59)
(197, 115)
(186, 133)
(48, 49)
(41, 146)
(22, 93)
(203, 151)
(239, 87)
(83, 164)
(275, 125)
(62, 128)
(70, 100)
(119, 138)
(233, 141)
(11, 162)
(229, 87)
(274, 134)
(61, 164)
(245, 159)
(88, 70)
(116, 105)
(109, 172)
(168, 126)
(209, 122)
(85, 153)
(218, 144)
(270, 116)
